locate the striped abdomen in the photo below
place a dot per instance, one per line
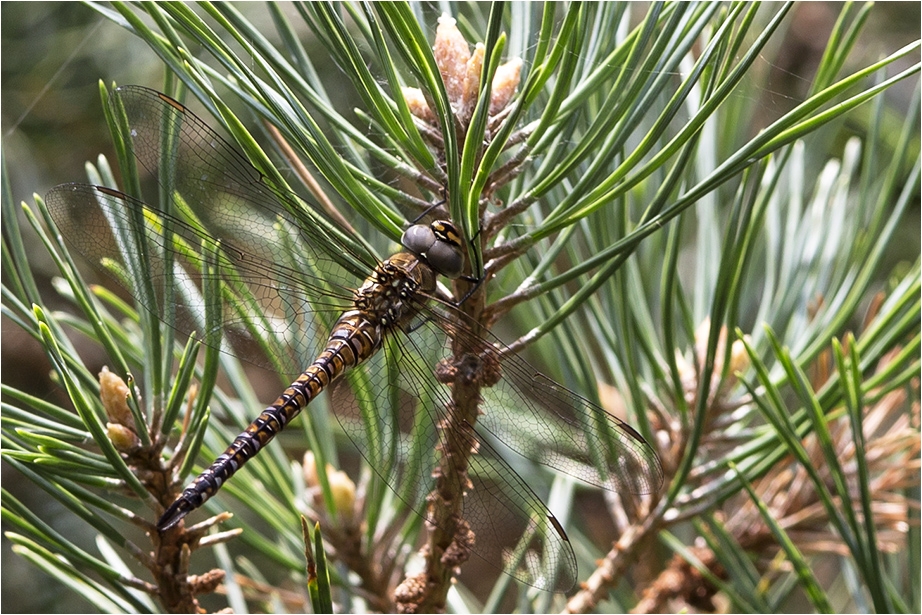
(354, 339)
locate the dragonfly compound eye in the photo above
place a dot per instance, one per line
(438, 245)
(418, 238)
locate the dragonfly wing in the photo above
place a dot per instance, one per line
(284, 281)
(223, 189)
(514, 529)
(392, 414)
(264, 304)
(545, 422)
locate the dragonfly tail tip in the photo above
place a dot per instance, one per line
(174, 514)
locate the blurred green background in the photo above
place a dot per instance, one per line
(53, 55)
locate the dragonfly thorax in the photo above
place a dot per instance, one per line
(393, 294)
(438, 245)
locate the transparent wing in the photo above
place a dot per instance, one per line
(282, 310)
(409, 414)
(286, 275)
(203, 172)
(545, 422)
(522, 413)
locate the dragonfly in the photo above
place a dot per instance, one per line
(337, 309)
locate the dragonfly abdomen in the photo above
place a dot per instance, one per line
(354, 339)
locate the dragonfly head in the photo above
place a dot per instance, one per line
(438, 245)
